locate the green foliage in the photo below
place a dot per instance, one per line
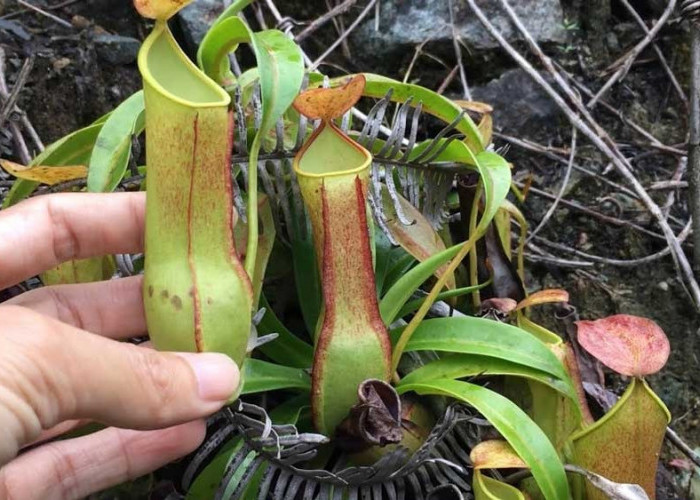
(461, 347)
(526, 438)
(280, 69)
(287, 348)
(262, 376)
(487, 338)
(112, 151)
(73, 149)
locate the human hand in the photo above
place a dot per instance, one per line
(61, 362)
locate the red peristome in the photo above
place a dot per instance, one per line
(372, 308)
(190, 253)
(630, 345)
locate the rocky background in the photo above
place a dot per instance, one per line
(85, 66)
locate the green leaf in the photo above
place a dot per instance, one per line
(386, 256)
(73, 149)
(526, 438)
(401, 291)
(487, 488)
(496, 179)
(110, 156)
(281, 71)
(458, 292)
(398, 267)
(287, 348)
(485, 337)
(306, 276)
(207, 482)
(261, 376)
(231, 11)
(290, 411)
(455, 366)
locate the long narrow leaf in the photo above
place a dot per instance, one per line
(287, 348)
(458, 292)
(73, 149)
(495, 178)
(456, 366)
(261, 376)
(403, 289)
(110, 156)
(526, 438)
(469, 335)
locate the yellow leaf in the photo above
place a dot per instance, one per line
(475, 106)
(486, 129)
(487, 488)
(326, 104)
(44, 174)
(544, 297)
(159, 9)
(496, 454)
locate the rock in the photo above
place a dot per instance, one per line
(407, 23)
(518, 102)
(195, 20)
(80, 22)
(116, 49)
(61, 63)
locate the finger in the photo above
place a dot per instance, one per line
(41, 233)
(112, 308)
(51, 372)
(76, 468)
(58, 430)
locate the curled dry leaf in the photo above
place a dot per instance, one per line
(496, 454)
(326, 104)
(544, 297)
(486, 129)
(374, 420)
(44, 174)
(418, 239)
(630, 345)
(159, 9)
(475, 106)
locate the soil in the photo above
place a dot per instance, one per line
(70, 86)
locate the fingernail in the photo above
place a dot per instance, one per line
(217, 375)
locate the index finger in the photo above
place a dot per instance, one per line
(41, 233)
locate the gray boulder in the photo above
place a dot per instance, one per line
(519, 104)
(406, 23)
(117, 49)
(195, 20)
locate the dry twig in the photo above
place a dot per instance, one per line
(587, 125)
(338, 10)
(44, 13)
(659, 54)
(11, 100)
(562, 190)
(466, 94)
(340, 39)
(634, 53)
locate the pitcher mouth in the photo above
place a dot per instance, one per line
(327, 149)
(166, 68)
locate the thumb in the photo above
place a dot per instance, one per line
(51, 372)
